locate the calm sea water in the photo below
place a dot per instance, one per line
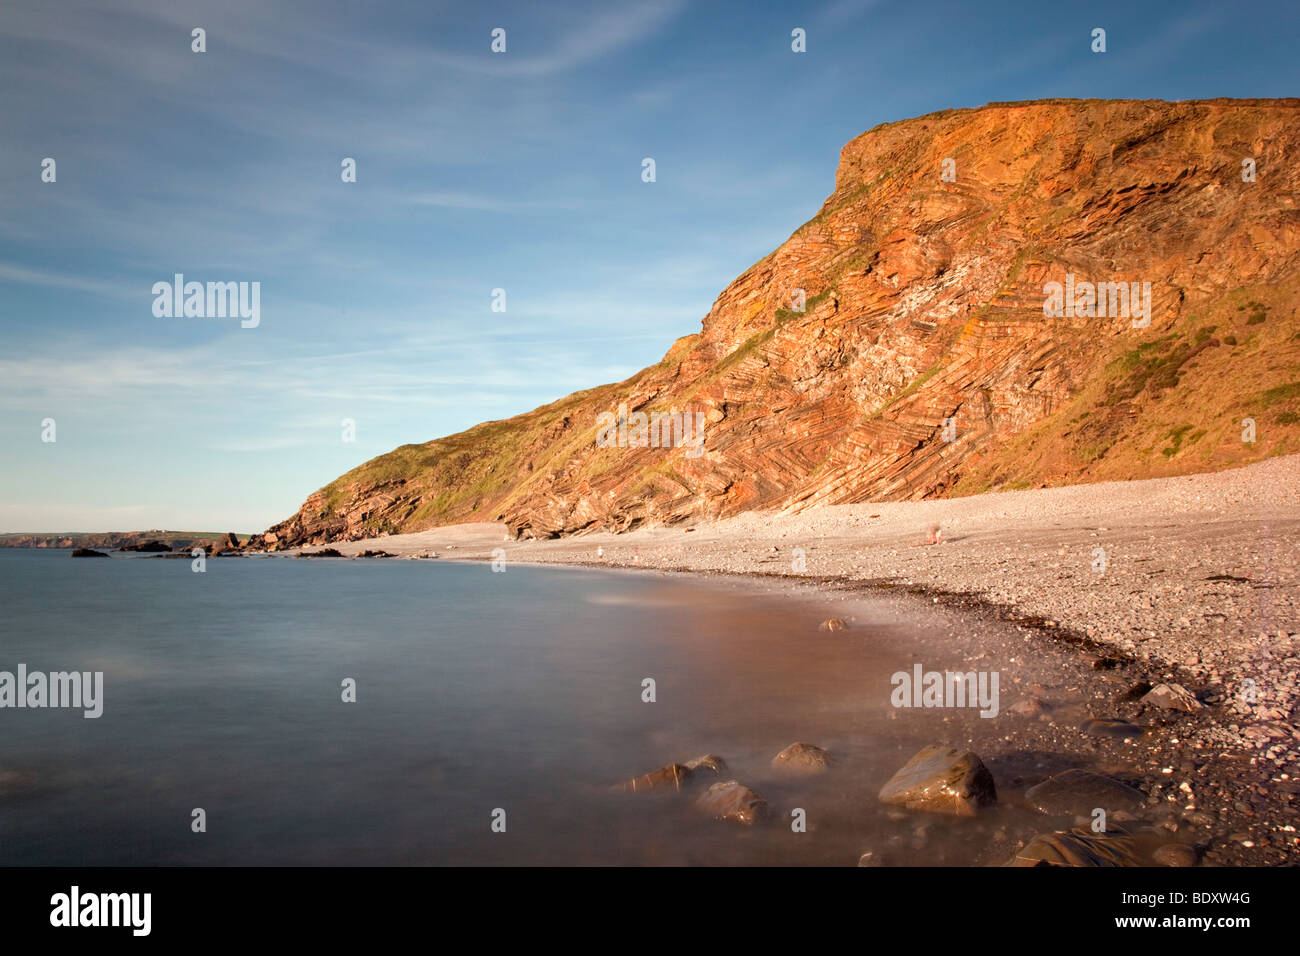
(475, 691)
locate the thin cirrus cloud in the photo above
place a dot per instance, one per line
(594, 32)
(479, 203)
(24, 275)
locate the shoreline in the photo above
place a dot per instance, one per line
(1200, 572)
(1198, 588)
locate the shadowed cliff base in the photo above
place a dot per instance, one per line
(923, 364)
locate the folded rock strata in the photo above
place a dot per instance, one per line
(922, 363)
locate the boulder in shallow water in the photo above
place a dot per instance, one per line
(1078, 847)
(1079, 792)
(942, 779)
(88, 553)
(670, 777)
(802, 759)
(732, 801)
(709, 764)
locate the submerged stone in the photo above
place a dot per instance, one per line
(1079, 792)
(670, 777)
(801, 758)
(1030, 707)
(1175, 854)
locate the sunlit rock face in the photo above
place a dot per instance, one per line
(897, 345)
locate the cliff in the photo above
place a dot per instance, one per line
(923, 363)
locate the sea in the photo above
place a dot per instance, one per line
(281, 711)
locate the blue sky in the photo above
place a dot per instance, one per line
(475, 171)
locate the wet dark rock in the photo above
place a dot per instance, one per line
(1080, 792)
(368, 553)
(1172, 697)
(88, 553)
(732, 801)
(1109, 727)
(670, 777)
(801, 758)
(1175, 854)
(1078, 847)
(322, 553)
(709, 764)
(941, 779)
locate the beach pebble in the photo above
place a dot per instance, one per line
(1172, 697)
(1029, 707)
(1175, 854)
(1108, 727)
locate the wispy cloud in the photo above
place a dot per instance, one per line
(585, 35)
(843, 11)
(459, 200)
(53, 280)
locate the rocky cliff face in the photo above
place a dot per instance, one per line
(922, 362)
